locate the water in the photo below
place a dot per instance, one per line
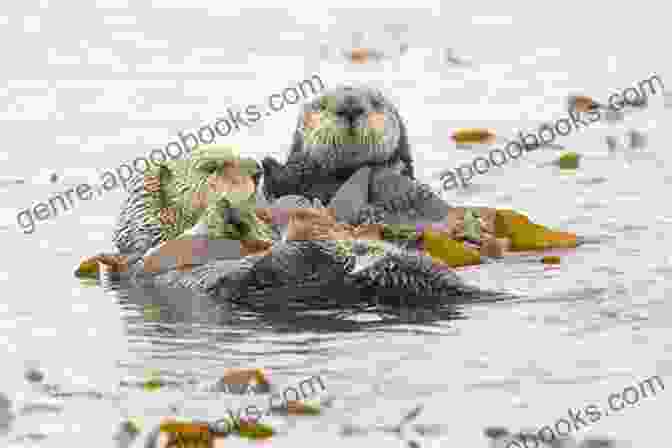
(594, 326)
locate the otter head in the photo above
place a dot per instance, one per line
(349, 127)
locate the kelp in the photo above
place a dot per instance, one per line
(472, 225)
(303, 407)
(527, 236)
(191, 433)
(551, 259)
(87, 269)
(255, 430)
(452, 253)
(240, 376)
(568, 161)
(473, 136)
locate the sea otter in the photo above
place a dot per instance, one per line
(341, 132)
(294, 270)
(350, 153)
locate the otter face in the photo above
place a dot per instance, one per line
(348, 127)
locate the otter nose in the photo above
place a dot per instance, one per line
(351, 109)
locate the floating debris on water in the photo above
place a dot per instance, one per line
(45, 177)
(299, 407)
(127, 432)
(255, 430)
(582, 103)
(637, 139)
(401, 429)
(33, 375)
(360, 53)
(88, 269)
(244, 377)
(132, 426)
(568, 161)
(363, 55)
(496, 432)
(171, 432)
(188, 429)
(467, 136)
(550, 259)
(153, 384)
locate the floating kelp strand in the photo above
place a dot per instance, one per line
(473, 136)
(568, 161)
(255, 430)
(582, 103)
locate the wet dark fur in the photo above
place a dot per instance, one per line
(311, 272)
(393, 195)
(314, 175)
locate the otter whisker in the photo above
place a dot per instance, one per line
(366, 136)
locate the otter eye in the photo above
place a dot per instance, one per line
(326, 103)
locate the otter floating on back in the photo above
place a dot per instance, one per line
(350, 151)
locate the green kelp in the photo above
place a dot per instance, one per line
(254, 429)
(451, 252)
(568, 161)
(87, 269)
(526, 235)
(472, 225)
